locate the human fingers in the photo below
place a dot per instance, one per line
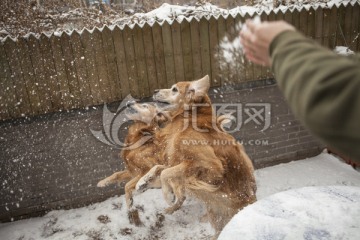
(249, 47)
(250, 25)
(247, 40)
(255, 59)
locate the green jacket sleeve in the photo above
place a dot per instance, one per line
(322, 89)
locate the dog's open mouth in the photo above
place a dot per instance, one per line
(162, 103)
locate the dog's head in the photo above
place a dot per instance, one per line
(142, 112)
(183, 93)
(146, 112)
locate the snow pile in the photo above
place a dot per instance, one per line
(306, 213)
(322, 170)
(108, 220)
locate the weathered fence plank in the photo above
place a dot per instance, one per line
(287, 16)
(319, 25)
(150, 58)
(347, 25)
(195, 47)
(221, 35)
(165, 53)
(70, 70)
(205, 47)
(104, 83)
(295, 18)
(311, 24)
(12, 52)
(186, 47)
(50, 72)
(121, 62)
(59, 62)
(214, 42)
(40, 79)
(141, 67)
(29, 77)
(81, 70)
(89, 57)
(110, 57)
(249, 73)
(326, 28)
(162, 73)
(131, 61)
(7, 97)
(340, 24)
(333, 28)
(355, 28)
(303, 22)
(229, 26)
(177, 48)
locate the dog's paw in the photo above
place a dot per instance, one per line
(141, 186)
(170, 198)
(134, 217)
(204, 218)
(102, 183)
(170, 210)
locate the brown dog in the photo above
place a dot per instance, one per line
(140, 159)
(196, 149)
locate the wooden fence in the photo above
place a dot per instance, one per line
(60, 72)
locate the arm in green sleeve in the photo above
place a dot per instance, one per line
(322, 89)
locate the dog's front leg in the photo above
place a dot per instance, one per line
(133, 213)
(117, 177)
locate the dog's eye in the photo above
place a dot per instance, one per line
(174, 89)
(145, 106)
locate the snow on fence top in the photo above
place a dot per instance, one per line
(170, 13)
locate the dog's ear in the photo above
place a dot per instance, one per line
(162, 118)
(198, 89)
(147, 131)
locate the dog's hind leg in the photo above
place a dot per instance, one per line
(129, 188)
(132, 212)
(117, 177)
(173, 182)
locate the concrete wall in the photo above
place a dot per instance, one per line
(54, 162)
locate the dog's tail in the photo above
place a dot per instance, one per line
(194, 184)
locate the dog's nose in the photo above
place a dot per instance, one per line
(156, 90)
(130, 103)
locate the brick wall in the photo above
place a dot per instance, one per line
(54, 162)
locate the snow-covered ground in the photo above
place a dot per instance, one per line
(108, 219)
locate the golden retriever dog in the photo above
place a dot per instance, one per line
(194, 148)
(139, 159)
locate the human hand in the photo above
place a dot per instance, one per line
(256, 39)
